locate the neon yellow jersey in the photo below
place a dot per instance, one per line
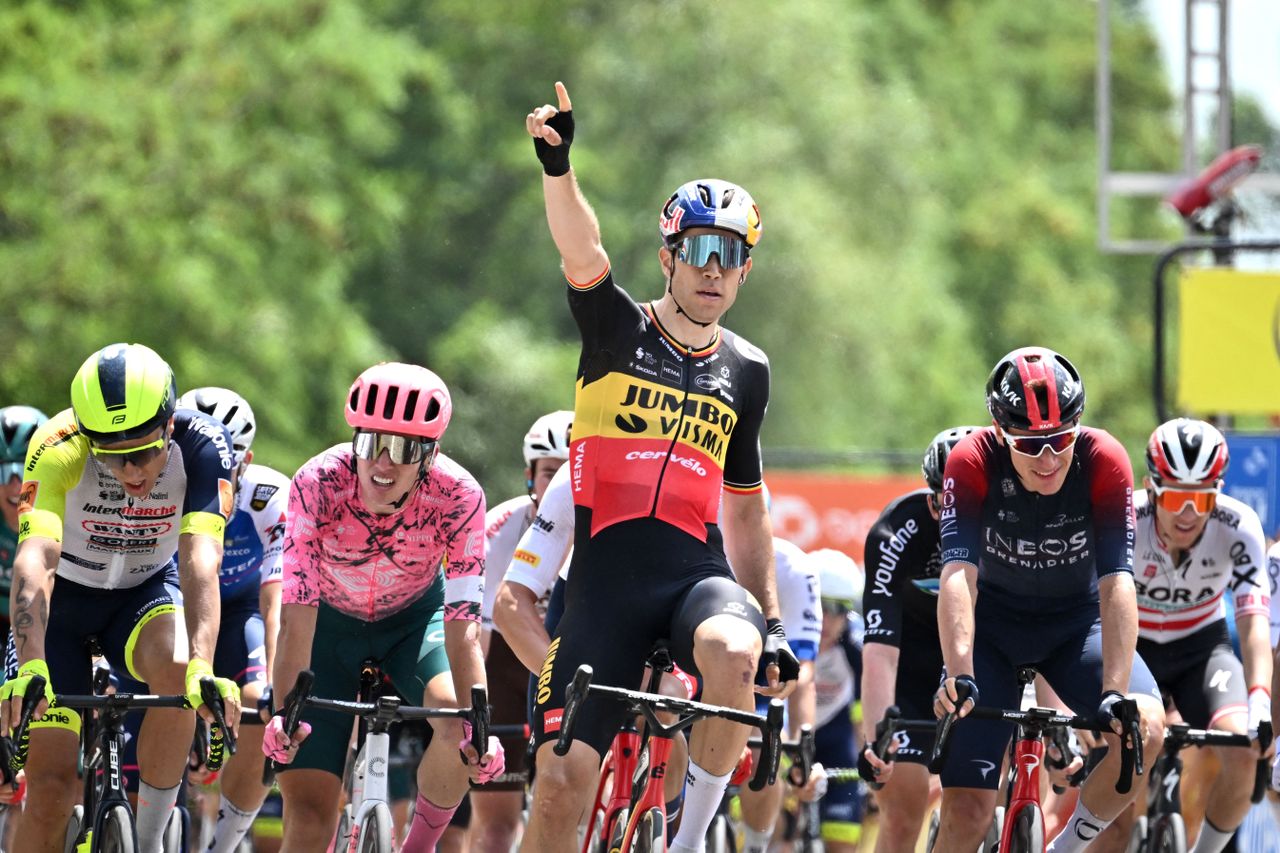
(110, 540)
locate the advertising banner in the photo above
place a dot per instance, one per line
(832, 510)
(1228, 341)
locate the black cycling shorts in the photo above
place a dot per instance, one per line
(632, 584)
(1200, 674)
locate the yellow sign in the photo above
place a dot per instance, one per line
(1229, 341)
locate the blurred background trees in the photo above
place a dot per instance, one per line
(277, 193)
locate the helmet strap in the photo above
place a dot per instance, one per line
(671, 272)
(424, 470)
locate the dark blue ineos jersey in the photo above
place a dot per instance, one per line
(1039, 553)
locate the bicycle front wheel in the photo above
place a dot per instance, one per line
(1169, 835)
(720, 836)
(375, 830)
(117, 832)
(1138, 837)
(74, 824)
(650, 835)
(1028, 831)
(933, 831)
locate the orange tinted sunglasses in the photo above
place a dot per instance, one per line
(1174, 500)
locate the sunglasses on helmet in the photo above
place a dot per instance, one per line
(401, 449)
(136, 456)
(1033, 445)
(696, 250)
(1173, 499)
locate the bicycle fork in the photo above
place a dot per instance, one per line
(368, 786)
(1028, 754)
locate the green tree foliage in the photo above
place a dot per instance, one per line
(276, 193)
(200, 177)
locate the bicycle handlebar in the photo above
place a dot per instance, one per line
(292, 711)
(1043, 719)
(770, 725)
(222, 739)
(9, 752)
(885, 730)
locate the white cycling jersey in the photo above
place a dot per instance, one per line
(836, 674)
(799, 599)
(503, 527)
(1273, 572)
(543, 550)
(1176, 601)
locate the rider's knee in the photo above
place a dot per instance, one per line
(1152, 726)
(966, 811)
(727, 655)
(559, 786)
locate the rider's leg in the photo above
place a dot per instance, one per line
(966, 814)
(1099, 802)
(903, 802)
(561, 794)
(52, 787)
(1229, 794)
(497, 808)
(157, 655)
(442, 777)
(726, 650)
(242, 791)
(760, 812)
(310, 807)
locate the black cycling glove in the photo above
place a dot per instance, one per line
(778, 651)
(1106, 708)
(555, 158)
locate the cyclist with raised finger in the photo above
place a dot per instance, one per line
(1037, 534)
(114, 488)
(667, 415)
(383, 559)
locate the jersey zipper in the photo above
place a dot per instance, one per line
(684, 405)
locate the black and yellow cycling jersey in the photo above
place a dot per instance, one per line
(659, 427)
(110, 540)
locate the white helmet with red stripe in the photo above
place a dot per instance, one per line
(1187, 452)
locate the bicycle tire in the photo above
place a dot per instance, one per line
(171, 842)
(375, 830)
(720, 836)
(991, 844)
(618, 831)
(1028, 831)
(932, 839)
(75, 823)
(1169, 835)
(650, 835)
(117, 832)
(1138, 836)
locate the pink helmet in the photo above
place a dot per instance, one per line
(403, 398)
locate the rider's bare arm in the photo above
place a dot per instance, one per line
(199, 557)
(1118, 607)
(516, 614)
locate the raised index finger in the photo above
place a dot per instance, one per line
(562, 96)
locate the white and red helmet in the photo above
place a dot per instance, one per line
(399, 398)
(1186, 452)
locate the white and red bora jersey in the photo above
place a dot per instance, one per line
(1176, 601)
(1273, 572)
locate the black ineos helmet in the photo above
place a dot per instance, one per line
(1034, 388)
(935, 458)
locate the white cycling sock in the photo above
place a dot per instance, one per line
(1079, 832)
(154, 806)
(702, 794)
(756, 840)
(233, 823)
(1211, 839)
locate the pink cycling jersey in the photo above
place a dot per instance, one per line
(371, 566)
